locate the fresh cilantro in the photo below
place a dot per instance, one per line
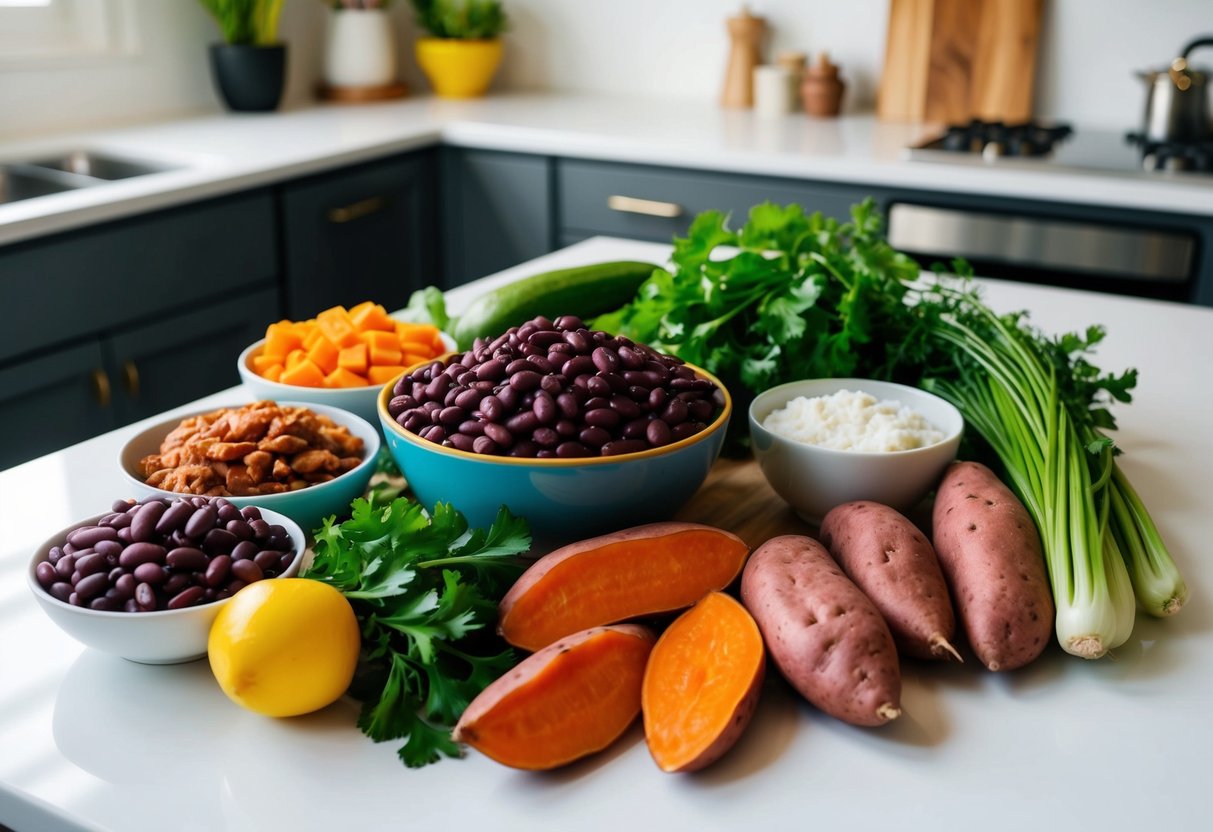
(425, 589)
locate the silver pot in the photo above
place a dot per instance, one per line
(1177, 104)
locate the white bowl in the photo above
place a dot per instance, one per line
(308, 506)
(357, 400)
(159, 637)
(813, 479)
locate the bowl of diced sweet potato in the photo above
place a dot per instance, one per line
(340, 358)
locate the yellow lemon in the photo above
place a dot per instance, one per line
(285, 646)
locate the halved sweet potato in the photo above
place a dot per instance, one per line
(702, 684)
(570, 699)
(641, 571)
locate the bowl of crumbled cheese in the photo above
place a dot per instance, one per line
(824, 442)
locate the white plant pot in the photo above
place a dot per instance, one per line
(360, 50)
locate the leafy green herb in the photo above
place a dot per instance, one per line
(461, 19)
(246, 21)
(425, 588)
(428, 306)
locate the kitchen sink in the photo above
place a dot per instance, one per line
(67, 172)
(98, 165)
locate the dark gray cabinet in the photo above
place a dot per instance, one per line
(362, 233)
(654, 203)
(497, 211)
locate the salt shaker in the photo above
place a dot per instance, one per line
(773, 86)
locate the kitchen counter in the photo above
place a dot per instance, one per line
(222, 154)
(95, 742)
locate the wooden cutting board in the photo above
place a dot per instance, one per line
(953, 60)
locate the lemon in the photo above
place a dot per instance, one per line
(284, 647)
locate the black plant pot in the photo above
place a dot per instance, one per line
(249, 78)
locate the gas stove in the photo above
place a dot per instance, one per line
(1040, 146)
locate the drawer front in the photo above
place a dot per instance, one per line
(91, 281)
(651, 203)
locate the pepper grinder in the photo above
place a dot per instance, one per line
(746, 33)
(822, 88)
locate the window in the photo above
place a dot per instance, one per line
(36, 31)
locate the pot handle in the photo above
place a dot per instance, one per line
(1196, 44)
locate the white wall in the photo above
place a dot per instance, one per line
(1089, 51)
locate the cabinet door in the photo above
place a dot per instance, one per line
(362, 233)
(186, 356)
(651, 203)
(53, 401)
(496, 211)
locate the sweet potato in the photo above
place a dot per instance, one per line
(570, 699)
(991, 557)
(702, 684)
(824, 635)
(641, 571)
(895, 565)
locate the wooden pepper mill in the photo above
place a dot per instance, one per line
(745, 53)
(822, 89)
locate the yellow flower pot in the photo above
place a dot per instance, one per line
(459, 68)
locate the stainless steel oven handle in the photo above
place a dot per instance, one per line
(1043, 243)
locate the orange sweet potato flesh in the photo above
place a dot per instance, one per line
(571, 699)
(702, 684)
(640, 571)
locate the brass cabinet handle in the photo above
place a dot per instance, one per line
(101, 387)
(130, 378)
(357, 210)
(647, 207)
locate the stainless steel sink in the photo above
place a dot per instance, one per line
(99, 165)
(68, 172)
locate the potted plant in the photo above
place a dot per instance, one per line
(249, 69)
(360, 48)
(464, 48)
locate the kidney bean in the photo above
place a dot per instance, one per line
(602, 417)
(225, 511)
(492, 408)
(89, 587)
(499, 434)
(124, 534)
(525, 448)
(121, 505)
(545, 338)
(491, 370)
(509, 398)
(187, 558)
(91, 564)
(542, 366)
(484, 445)
(138, 553)
(636, 428)
(267, 560)
(150, 573)
(89, 536)
(700, 411)
(545, 437)
(522, 422)
(145, 597)
(594, 437)
(186, 598)
(449, 399)
(109, 548)
(658, 433)
(201, 521)
(624, 446)
(125, 585)
(120, 522)
(434, 433)
(240, 528)
(625, 407)
(469, 399)
(569, 450)
(250, 514)
(685, 430)
(675, 412)
(175, 583)
(143, 524)
(452, 416)
(461, 442)
(66, 566)
(596, 402)
(54, 553)
(46, 574)
(217, 570)
(437, 388)
(247, 571)
(104, 604)
(630, 358)
(285, 561)
(61, 590)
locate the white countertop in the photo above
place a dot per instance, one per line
(88, 741)
(227, 153)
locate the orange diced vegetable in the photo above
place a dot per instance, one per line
(411, 358)
(280, 339)
(273, 373)
(380, 357)
(303, 374)
(324, 355)
(335, 324)
(373, 318)
(263, 362)
(421, 334)
(383, 374)
(382, 340)
(353, 359)
(357, 310)
(342, 377)
(294, 357)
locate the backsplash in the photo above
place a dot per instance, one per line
(677, 48)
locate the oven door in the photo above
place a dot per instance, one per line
(1137, 260)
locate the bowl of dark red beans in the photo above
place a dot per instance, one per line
(145, 580)
(579, 431)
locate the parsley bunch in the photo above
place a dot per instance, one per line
(425, 588)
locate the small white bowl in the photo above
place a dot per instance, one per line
(308, 506)
(813, 479)
(361, 401)
(158, 637)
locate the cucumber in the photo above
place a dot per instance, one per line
(584, 291)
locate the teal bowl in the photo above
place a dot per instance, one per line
(308, 506)
(561, 499)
